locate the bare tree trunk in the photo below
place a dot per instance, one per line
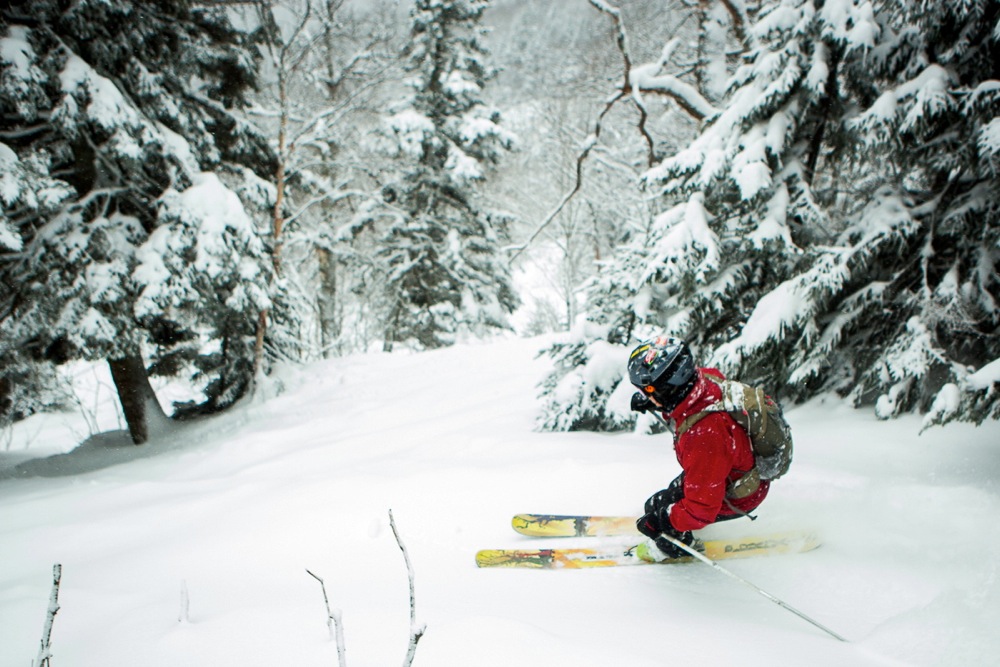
(278, 220)
(326, 300)
(137, 397)
(829, 99)
(281, 55)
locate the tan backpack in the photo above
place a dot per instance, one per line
(760, 416)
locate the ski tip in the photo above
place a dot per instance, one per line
(484, 557)
(542, 525)
(512, 558)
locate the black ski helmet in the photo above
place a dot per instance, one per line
(664, 369)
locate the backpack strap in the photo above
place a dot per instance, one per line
(750, 481)
(745, 485)
(691, 420)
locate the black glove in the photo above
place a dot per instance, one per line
(641, 403)
(666, 497)
(656, 524)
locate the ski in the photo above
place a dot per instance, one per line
(562, 525)
(632, 554)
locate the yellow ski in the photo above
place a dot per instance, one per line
(613, 555)
(560, 525)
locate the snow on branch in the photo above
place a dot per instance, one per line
(689, 240)
(916, 100)
(738, 16)
(650, 78)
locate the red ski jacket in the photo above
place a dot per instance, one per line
(712, 453)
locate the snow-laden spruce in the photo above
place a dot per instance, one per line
(444, 273)
(835, 226)
(121, 157)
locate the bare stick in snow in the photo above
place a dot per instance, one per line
(333, 623)
(184, 617)
(44, 652)
(416, 632)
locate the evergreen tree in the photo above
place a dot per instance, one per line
(835, 227)
(444, 274)
(126, 239)
(936, 120)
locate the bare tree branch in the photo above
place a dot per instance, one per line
(44, 651)
(416, 631)
(333, 623)
(587, 147)
(737, 14)
(636, 81)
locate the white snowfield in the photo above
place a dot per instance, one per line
(193, 550)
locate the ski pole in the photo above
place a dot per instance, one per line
(708, 561)
(662, 420)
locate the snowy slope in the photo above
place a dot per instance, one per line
(232, 511)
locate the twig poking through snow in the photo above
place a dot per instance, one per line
(44, 652)
(416, 632)
(333, 623)
(184, 616)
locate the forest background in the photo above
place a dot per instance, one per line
(805, 191)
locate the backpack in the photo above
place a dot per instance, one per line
(760, 416)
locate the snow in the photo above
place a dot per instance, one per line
(750, 169)
(105, 103)
(462, 166)
(16, 51)
(210, 217)
(989, 138)
(946, 402)
(10, 192)
(688, 236)
(774, 226)
(10, 186)
(650, 76)
(928, 90)
(851, 22)
(457, 84)
(819, 69)
(986, 377)
(411, 128)
(193, 550)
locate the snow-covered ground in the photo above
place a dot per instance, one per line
(231, 512)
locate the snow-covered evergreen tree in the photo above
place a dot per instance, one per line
(124, 239)
(834, 227)
(937, 120)
(445, 275)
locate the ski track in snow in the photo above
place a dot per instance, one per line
(230, 512)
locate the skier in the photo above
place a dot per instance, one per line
(719, 479)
